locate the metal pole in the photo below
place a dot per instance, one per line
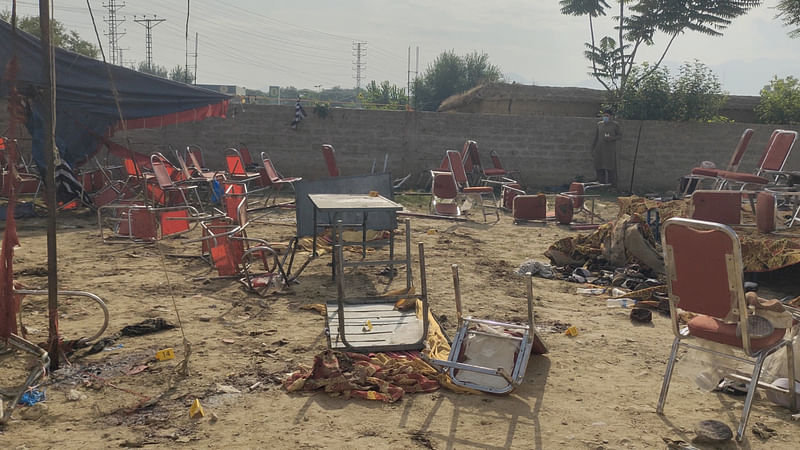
(635, 156)
(48, 71)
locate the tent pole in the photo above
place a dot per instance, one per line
(54, 340)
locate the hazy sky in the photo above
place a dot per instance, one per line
(309, 43)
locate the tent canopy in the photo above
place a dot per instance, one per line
(86, 108)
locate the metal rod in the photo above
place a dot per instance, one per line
(50, 182)
(457, 288)
(529, 276)
(409, 276)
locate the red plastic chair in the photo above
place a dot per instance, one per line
(444, 195)
(166, 191)
(770, 164)
(476, 192)
(273, 178)
(329, 154)
(700, 174)
(704, 276)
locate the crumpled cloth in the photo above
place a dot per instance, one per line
(383, 377)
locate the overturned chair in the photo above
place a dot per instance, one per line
(490, 356)
(12, 347)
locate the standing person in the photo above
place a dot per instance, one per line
(299, 113)
(604, 149)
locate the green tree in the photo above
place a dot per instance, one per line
(780, 101)
(451, 74)
(62, 38)
(178, 73)
(636, 22)
(695, 94)
(155, 69)
(384, 96)
(790, 14)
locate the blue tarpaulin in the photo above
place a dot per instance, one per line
(86, 105)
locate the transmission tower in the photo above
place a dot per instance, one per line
(149, 24)
(360, 67)
(114, 33)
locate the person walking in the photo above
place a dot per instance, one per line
(604, 149)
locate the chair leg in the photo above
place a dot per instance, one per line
(793, 406)
(662, 398)
(748, 401)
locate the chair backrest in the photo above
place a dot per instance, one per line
(160, 169)
(194, 154)
(272, 174)
(717, 206)
(244, 152)
(768, 146)
(496, 160)
(470, 157)
(234, 163)
(704, 267)
(765, 212)
(444, 186)
(185, 173)
(457, 168)
(577, 190)
(330, 160)
(779, 151)
(733, 165)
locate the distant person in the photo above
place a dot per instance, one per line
(299, 113)
(604, 149)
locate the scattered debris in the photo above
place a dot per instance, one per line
(75, 395)
(146, 326)
(196, 409)
(763, 431)
(225, 389)
(32, 397)
(34, 412)
(712, 431)
(423, 439)
(533, 267)
(678, 444)
(571, 331)
(318, 307)
(641, 315)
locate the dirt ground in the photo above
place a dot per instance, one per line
(596, 390)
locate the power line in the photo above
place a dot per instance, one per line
(114, 34)
(149, 24)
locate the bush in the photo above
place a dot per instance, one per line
(695, 95)
(780, 101)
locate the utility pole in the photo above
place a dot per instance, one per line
(359, 51)
(408, 89)
(114, 33)
(196, 38)
(149, 24)
(49, 150)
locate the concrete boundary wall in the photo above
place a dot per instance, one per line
(548, 150)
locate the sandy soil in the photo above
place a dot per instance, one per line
(596, 390)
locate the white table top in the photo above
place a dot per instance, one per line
(341, 202)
